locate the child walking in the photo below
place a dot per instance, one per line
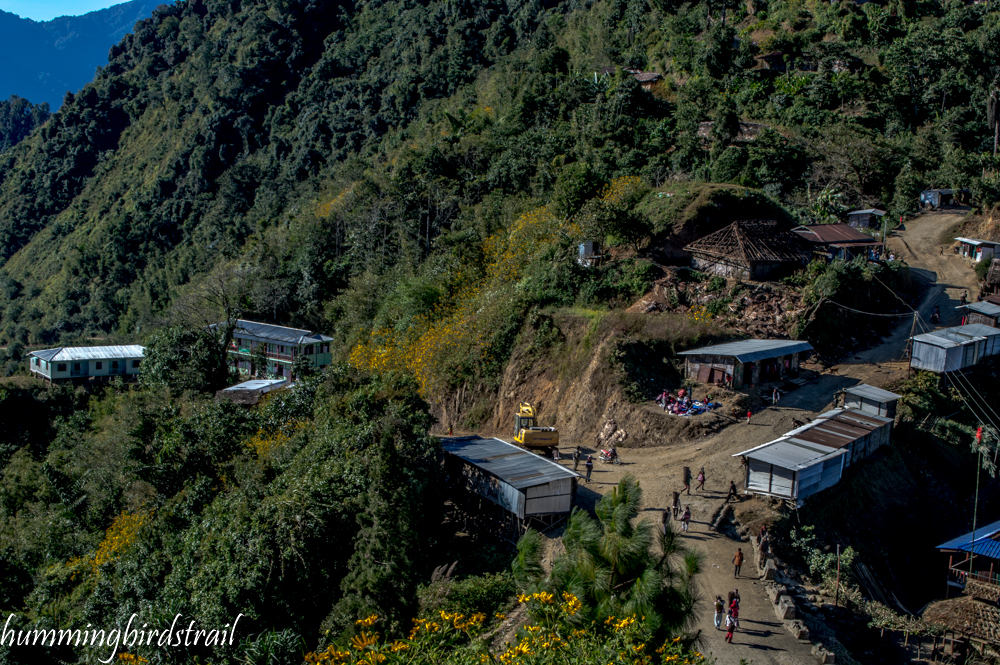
(730, 626)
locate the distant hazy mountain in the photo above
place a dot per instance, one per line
(40, 61)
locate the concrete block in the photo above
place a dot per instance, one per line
(797, 629)
(776, 591)
(770, 570)
(785, 609)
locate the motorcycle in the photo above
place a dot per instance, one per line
(610, 456)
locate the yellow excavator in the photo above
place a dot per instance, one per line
(528, 434)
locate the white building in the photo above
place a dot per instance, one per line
(82, 362)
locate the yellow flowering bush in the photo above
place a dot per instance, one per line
(459, 330)
(454, 639)
(119, 536)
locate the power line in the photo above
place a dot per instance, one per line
(981, 398)
(900, 314)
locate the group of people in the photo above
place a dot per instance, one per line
(684, 403)
(588, 464)
(730, 609)
(678, 512)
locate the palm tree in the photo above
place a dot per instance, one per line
(615, 565)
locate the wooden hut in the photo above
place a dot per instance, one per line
(839, 242)
(502, 489)
(749, 249)
(992, 283)
(985, 313)
(750, 361)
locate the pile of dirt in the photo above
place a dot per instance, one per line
(757, 309)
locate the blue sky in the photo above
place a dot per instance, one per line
(44, 10)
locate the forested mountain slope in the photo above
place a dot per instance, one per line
(44, 59)
(362, 168)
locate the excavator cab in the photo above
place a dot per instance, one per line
(528, 434)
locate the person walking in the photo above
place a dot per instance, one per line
(686, 519)
(701, 479)
(720, 611)
(576, 458)
(730, 626)
(589, 466)
(749, 414)
(733, 493)
(735, 609)
(737, 562)
(687, 480)
(676, 506)
(555, 455)
(964, 299)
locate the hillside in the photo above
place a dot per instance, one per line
(45, 59)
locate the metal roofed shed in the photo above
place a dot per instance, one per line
(750, 361)
(952, 349)
(869, 399)
(986, 313)
(249, 393)
(507, 487)
(793, 470)
(861, 434)
(977, 250)
(866, 219)
(78, 363)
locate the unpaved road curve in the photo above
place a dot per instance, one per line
(943, 273)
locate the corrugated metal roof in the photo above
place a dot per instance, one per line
(827, 233)
(947, 338)
(258, 384)
(752, 349)
(790, 453)
(515, 466)
(977, 330)
(870, 211)
(987, 541)
(976, 241)
(275, 333)
(987, 308)
(873, 393)
(70, 353)
(813, 442)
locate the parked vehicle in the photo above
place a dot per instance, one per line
(610, 456)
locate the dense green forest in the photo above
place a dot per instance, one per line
(413, 179)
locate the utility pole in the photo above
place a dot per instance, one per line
(975, 508)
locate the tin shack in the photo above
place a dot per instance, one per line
(750, 361)
(869, 399)
(503, 489)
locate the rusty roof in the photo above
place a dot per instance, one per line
(838, 428)
(831, 233)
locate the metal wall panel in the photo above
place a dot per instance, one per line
(548, 504)
(782, 481)
(760, 476)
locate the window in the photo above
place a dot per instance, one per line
(36, 361)
(76, 367)
(279, 370)
(114, 364)
(61, 367)
(99, 364)
(309, 350)
(136, 363)
(324, 348)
